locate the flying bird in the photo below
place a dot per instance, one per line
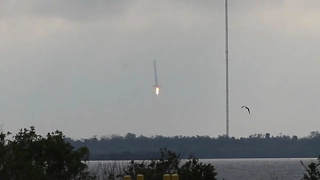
(246, 108)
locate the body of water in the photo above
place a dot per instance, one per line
(260, 169)
(249, 169)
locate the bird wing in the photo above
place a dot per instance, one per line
(248, 109)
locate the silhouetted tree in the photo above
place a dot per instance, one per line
(312, 171)
(170, 163)
(31, 156)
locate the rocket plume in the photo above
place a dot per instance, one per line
(157, 91)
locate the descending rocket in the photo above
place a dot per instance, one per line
(157, 88)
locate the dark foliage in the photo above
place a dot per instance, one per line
(312, 171)
(192, 169)
(30, 156)
(170, 163)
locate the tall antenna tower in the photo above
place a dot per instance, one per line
(227, 71)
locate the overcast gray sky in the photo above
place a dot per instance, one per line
(86, 67)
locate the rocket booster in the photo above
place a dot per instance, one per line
(157, 88)
(155, 73)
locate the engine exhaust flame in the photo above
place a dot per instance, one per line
(157, 91)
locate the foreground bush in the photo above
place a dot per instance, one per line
(168, 163)
(31, 156)
(313, 172)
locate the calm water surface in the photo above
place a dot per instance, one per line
(260, 169)
(252, 169)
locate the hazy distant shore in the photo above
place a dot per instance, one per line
(257, 146)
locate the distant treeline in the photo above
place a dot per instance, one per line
(255, 146)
